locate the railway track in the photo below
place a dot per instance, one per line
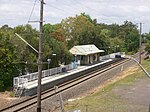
(30, 102)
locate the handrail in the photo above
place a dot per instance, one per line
(144, 70)
(21, 80)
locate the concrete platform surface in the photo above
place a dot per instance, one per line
(33, 84)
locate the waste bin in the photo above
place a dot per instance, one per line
(117, 56)
(64, 69)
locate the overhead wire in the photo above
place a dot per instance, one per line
(94, 10)
(85, 5)
(32, 11)
(62, 10)
(67, 6)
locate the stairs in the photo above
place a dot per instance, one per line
(18, 91)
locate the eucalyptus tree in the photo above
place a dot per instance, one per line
(8, 64)
(55, 38)
(78, 30)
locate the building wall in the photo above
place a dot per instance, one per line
(89, 59)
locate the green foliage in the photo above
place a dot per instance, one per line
(58, 39)
(55, 39)
(148, 47)
(105, 100)
(147, 36)
(24, 52)
(82, 29)
(78, 30)
(12, 94)
(8, 68)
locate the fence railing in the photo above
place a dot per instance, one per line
(112, 55)
(19, 81)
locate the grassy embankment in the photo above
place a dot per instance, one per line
(104, 99)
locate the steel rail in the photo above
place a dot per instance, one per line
(32, 100)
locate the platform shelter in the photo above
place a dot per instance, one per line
(85, 54)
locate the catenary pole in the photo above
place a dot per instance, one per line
(140, 43)
(26, 43)
(40, 58)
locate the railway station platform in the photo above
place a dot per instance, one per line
(26, 85)
(45, 80)
(30, 88)
(33, 84)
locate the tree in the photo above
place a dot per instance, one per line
(55, 39)
(58, 39)
(130, 36)
(24, 52)
(9, 67)
(78, 30)
(147, 47)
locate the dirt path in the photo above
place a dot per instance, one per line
(5, 99)
(138, 93)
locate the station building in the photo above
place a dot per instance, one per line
(85, 54)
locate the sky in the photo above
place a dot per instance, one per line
(17, 12)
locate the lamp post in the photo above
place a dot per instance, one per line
(54, 54)
(117, 48)
(140, 43)
(48, 60)
(75, 58)
(54, 58)
(108, 49)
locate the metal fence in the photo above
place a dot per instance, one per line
(111, 55)
(19, 81)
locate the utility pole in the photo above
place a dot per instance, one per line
(140, 43)
(40, 59)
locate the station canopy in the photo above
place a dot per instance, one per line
(85, 50)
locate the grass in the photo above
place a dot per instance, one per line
(105, 100)
(12, 94)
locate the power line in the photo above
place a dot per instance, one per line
(94, 10)
(62, 10)
(85, 5)
(71, 7)
(32, 11)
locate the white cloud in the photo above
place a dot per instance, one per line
(16, 12)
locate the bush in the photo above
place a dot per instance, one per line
(12, 94)
(1, 86)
